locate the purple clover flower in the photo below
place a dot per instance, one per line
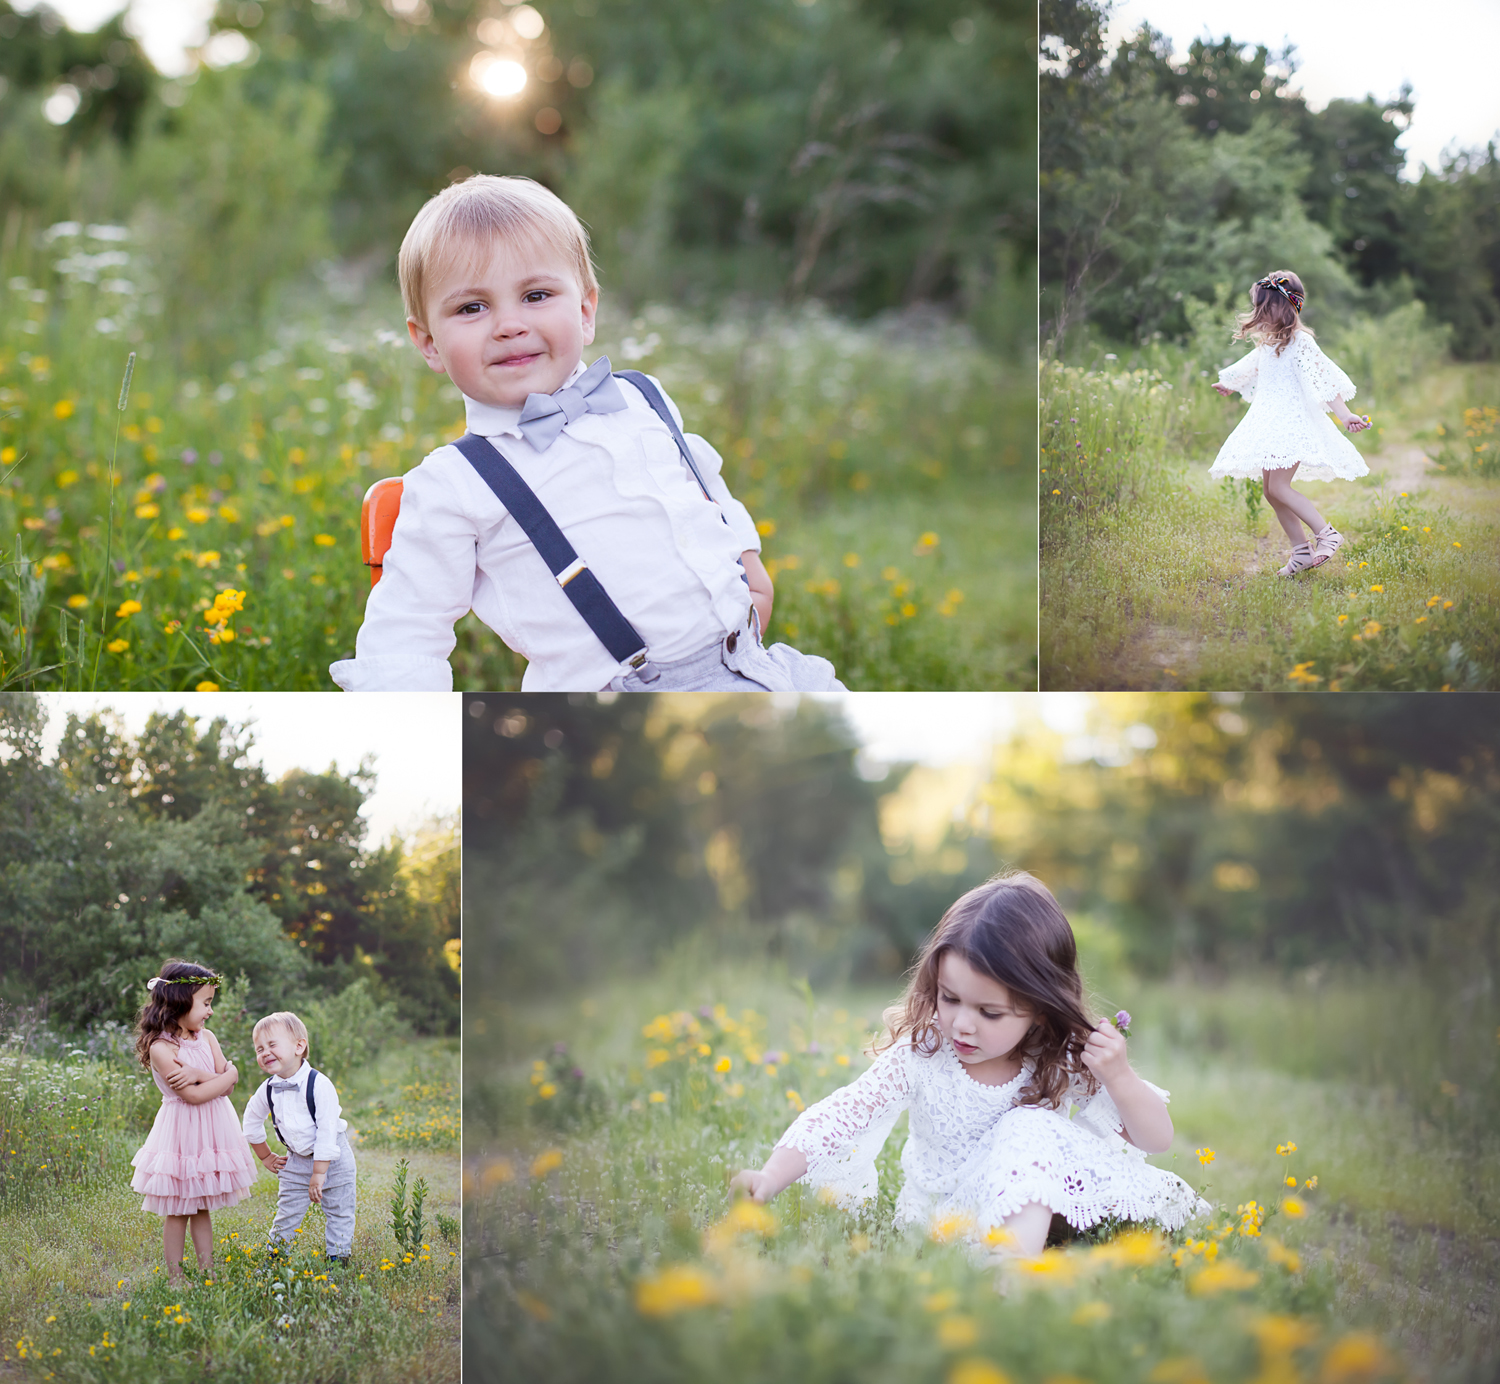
(1122, 1022)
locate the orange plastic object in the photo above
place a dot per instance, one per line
(377, 517)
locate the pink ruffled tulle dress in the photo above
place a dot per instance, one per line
(196, 1157)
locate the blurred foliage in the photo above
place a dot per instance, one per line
(1162, 181)
(127, 850)
(1195, 830)
(869, 153)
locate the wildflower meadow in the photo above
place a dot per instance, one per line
(198, 527)
(1155, 577)
(86, 1297)
(1351, 1233)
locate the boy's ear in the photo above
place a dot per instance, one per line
(590, 309)
(421, 338)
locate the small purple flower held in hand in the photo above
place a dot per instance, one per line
(1122, 1022)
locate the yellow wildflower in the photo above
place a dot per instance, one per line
(674, 1290)
(128, 608)
(1219, 1278)
(546, 1162)
(977, 1371)
(1205, 1156)
(957, 1333)
(117, 646)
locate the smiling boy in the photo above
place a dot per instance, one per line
(574, 518)
(303, 1107)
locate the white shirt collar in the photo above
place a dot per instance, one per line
(490, 420)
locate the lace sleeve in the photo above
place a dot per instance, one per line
(1322, 381)
(1099, 1115)
(841, 1134)
(1241, 375)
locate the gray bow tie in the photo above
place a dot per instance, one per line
(285, 1086)
(546, 415)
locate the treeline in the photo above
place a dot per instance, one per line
(1166, 182)
(1274, 829)
(1279, 831)
(871, 153)
(126, 850)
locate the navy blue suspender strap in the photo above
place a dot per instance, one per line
(659, 408)
(312, 1104)
(579, 584)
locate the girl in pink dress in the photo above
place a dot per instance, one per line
(195, 1160)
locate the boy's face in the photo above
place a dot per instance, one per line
(277, 1052)
(506, 324)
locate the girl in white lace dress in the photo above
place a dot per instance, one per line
(988, 1049)
(1291, 387)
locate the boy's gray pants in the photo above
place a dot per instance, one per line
(292, 1200)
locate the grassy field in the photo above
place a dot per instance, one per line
(206, 534)
(85, 1296)
(601, 1243)
(1156, 577)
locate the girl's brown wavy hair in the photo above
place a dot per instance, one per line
(168, 1003)
(1011, 930)
(1272, 320)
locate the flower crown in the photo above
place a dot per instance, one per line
(194, 981)
(1283, 286)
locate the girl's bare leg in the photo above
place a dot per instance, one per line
(1030, 1226)
(173, 1239)
(202, 1227)
(1289, 505)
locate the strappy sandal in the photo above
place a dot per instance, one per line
(1326, 542)
(1300, 560)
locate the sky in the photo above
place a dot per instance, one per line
(1444, 48)
(413, 737)
(941, 728)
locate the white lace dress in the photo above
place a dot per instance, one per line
(1288, 423)
(972, 1152)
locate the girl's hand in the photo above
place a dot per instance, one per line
(274, 1162)
(1104, 1053)
(179, 1078)
(1220, 389)
(233, 1071)
(1357, 424)
(754, 1184)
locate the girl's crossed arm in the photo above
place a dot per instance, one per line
(196, 1088)
(1144, 1113)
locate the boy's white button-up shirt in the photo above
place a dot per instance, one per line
(298, 1131)
(618, 488)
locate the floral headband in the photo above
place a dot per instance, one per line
(194, 981)
(1283, 286)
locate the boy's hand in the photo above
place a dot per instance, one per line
(1220, 389)
(315, 1187)
(274, 1162)
(754, 1184)
(1104, 1053)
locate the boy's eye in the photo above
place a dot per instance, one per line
(536, 295)
(469, 309)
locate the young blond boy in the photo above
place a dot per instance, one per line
(304, 1110)
(603, 545)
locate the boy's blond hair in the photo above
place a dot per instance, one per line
(288, 1021)
(483, 208)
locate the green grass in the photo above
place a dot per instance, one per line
(600, 1244)
(85, 1296)
(1156, 577)
(907, 450)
